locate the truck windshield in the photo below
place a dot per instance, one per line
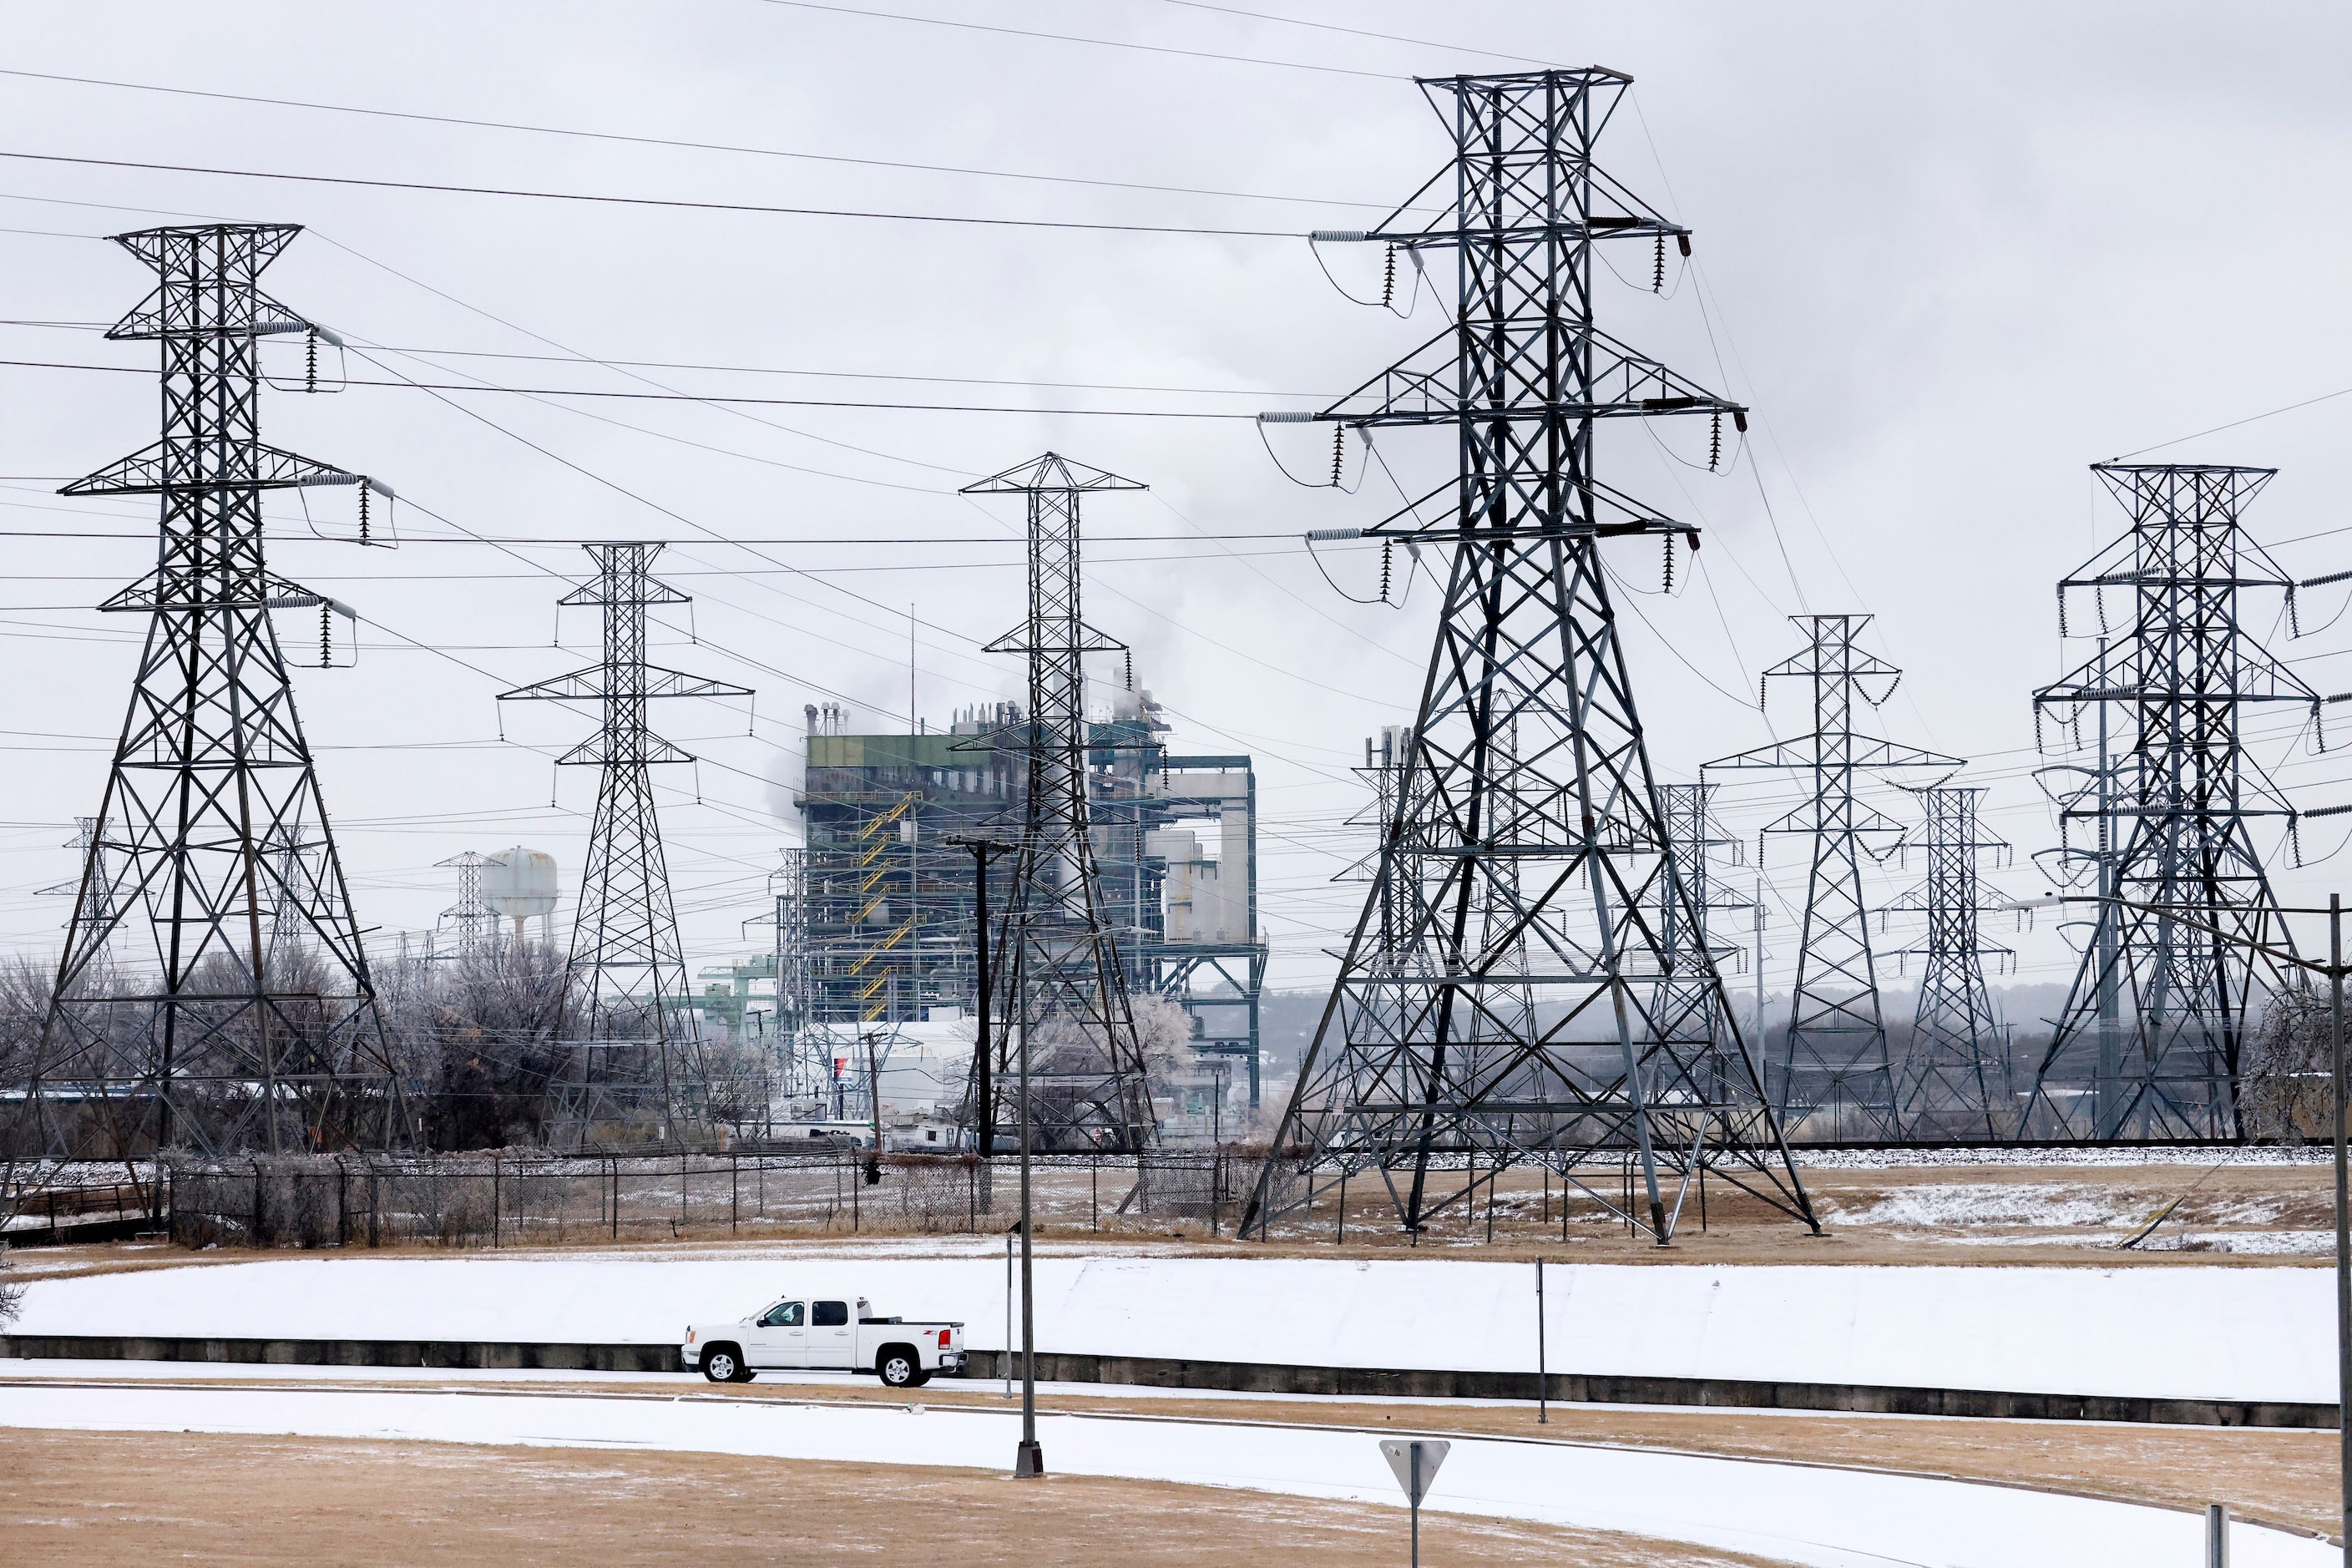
(831, 1314)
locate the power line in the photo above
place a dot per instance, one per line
(673, 203)
(1080, 38)
(406, 384)
(574, 542)
(743, 369)
(2232, 425)
(681, 143)
(1356, 32)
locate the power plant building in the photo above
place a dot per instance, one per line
(882, 918)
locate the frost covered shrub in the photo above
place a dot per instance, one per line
(12, 1295)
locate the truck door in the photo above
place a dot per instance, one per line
(779, 1336)
(832, 1338)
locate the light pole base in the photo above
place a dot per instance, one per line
(1028, 1459)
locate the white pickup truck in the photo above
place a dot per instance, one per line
(802, 1330)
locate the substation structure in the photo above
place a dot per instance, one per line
(876, 923)
(1503, 999)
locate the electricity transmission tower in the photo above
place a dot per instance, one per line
(214, 990)
(626, 961)
(99, 909)
(1056, 962)
(476, 926)
(1688, 1008)
(1383, 769)
(1512, 1018)
(2155, 1021)
(1835, 1082)
(1953, 1082)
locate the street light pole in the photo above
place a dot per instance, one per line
(1029, 1459)
(2334, 969)
(2343, 1226)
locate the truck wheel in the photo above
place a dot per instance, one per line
(724, 1363)
(899, 1367)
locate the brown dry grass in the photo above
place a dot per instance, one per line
(82, 1498)
(1864, 1211)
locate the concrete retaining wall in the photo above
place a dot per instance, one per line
(1248, 1377)
(1578, 1388)
(457, 1353)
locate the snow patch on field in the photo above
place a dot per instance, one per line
(1996, 1154)
(2049, 1205)
(2247, 1243)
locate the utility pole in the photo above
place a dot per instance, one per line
(983, 1046)
(1953, 1082)
(1836, 1080)
(1539, 870)
(2274, 946)
(249, 1016)
(1070, 989)
(1028, 1458)
(2343, 1226)
(625, 955)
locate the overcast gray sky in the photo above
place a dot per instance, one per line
(1952, 254)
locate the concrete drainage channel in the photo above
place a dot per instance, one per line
(1245, 1377)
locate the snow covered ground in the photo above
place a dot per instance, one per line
(1793, 1513)
(2179, 1332)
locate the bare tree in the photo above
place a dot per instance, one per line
(12, 1294)
(475, 1037)
(2289, 1085)
(25, 985)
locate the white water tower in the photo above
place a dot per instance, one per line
(519, 884)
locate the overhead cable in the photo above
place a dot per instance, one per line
(678, 204)
(681, 143)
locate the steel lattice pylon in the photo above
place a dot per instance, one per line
(249, 1018)
(1834, 1080)
(806, 1062)
(1539, 872)
(99, 907)
(477, 928)
(1056, 962)
(1953, 1082)
(2149, 1044)
(1688, 1006)
(639, 1045)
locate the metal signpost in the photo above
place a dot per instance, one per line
(1416, 1462)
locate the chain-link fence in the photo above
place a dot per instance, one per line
(499, 1201)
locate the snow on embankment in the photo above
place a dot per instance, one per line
(1819, 1517)
(2251, 1334)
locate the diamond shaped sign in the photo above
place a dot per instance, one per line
(1416, 1462)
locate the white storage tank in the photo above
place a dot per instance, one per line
(520, 884)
